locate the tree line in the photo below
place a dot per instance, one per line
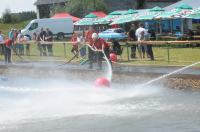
(78, 8)
(9, 17)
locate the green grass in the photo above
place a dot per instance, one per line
(178, 56)
(5, 28)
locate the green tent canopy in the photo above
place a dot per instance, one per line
(85, 22)
(106, 20)
(130, 11)
(157, 8)
(90, 16)
(117, 12)
(149, 16)
(168, 14)
(111, 16)
(193, 15)
(124, 19)
(184, 6)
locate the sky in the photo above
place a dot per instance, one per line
(17, 5)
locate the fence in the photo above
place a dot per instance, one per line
(162, 50)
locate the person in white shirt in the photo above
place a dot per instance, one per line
(140, 34)
(27, 39)
(1, 43)
(19, 45)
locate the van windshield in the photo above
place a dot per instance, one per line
(33, 26)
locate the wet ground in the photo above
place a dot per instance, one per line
(37, 97)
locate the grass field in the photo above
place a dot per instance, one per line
(177, 56)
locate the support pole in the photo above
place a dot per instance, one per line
(182, 25)
(65, 54)
(127, 46)
(168, 57)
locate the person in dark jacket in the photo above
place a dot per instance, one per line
(116, 47)
(49, 38)
(132, 37)
(149, 46)
(190, 34)
(43, 35)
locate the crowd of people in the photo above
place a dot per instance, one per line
(96, 47)
(91, 37)
(20, 45)
(15, 42)
(44, 42)
(141, 35)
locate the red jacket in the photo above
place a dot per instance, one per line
(74, 40)
(8, 42)
(99, 43)
(89, 37)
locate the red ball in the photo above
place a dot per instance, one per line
(113, 57)
(102, 82)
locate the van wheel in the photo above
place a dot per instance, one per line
(60, 36)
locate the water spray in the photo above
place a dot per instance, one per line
(167, 75)
(102, 81)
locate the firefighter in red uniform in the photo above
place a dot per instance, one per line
(74, 41)
(91, 54)
(8, 44)
(99, 44)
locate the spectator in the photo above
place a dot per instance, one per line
(11, 35)
(19, 45)
(116, 47)
(83, 47)
(36, 37)
(49, 38)
(190, 34)
(8, 46)
(140, 32)
(75, 42)
(198, 33)
(43, 44)
(150, 33)
(1, 43)
(26, 40)
(132, 37)
(15, 34)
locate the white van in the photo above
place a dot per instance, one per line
(61, 27)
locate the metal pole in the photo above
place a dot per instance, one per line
(160, 26)
(127, 46)
(171, 25)
(182, 25)
(168, 57)
(64, 50)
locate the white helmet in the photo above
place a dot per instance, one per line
(95, 36)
